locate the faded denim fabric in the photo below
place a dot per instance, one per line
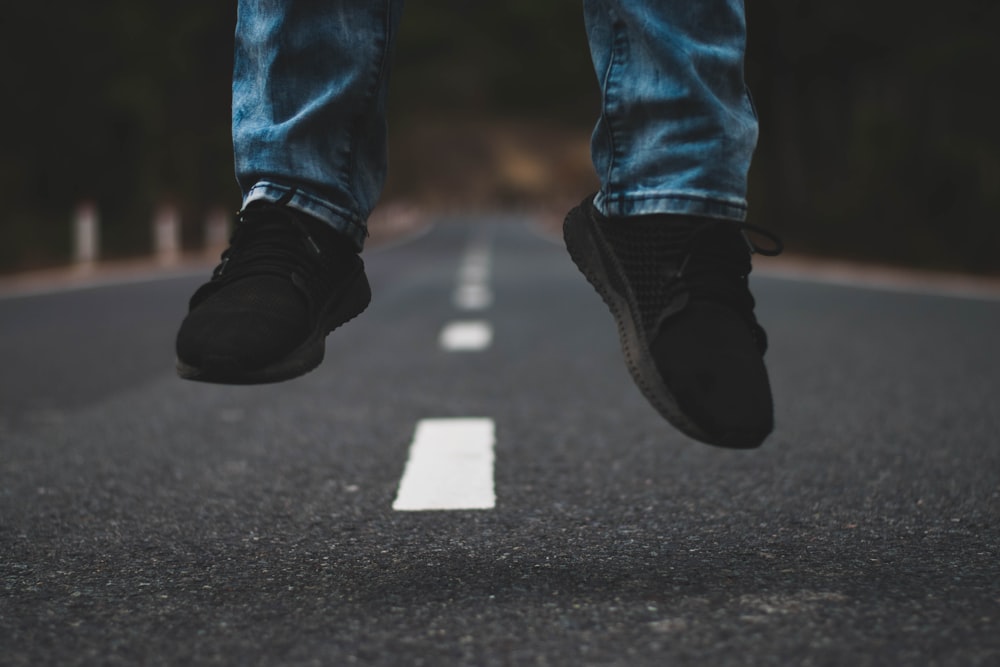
(677, 127)
(676, 133)
(309, 95)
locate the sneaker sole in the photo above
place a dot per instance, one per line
(593, 258)
(305, 358)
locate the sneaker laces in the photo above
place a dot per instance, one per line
(714, 264)
(712, 252)
(670, 261)
(268, 240)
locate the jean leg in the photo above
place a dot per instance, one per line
(309, 97)
(677, 128)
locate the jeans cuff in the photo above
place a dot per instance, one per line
(673, 203)
(310, 204)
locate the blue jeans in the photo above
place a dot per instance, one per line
(676, 131)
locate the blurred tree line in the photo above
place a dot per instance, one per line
(879, 137)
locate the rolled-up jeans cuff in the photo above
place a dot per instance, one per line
(310, 204)
(675, 203)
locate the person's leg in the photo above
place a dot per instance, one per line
(309, 95)
(662, 241)
(677, 128)
(309, 98)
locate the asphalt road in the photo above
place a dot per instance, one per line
(148, 520)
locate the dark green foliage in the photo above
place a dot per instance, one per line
(879, 136)
(118, 102)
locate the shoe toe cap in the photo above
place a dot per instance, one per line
(226, 333)
(710, 363)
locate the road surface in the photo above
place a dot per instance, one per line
(148, 520)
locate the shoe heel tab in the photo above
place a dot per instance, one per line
(777, 245)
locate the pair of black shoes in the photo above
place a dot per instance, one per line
(676, 286)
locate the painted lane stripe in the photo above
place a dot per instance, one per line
(450, 466)
(466, 336)
(471, 296)
(473, 290)
(475, 265)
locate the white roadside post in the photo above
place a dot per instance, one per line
(216, 231)
(167, 235)
(86, 235)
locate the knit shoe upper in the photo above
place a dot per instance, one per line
(678, 289)
(284, 283)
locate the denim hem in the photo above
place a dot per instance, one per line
(676, 203)
(310, 204)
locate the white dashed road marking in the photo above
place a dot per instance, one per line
(473, 290)
(450, 466)
(473, 297)
(471, 293)
(466, 336)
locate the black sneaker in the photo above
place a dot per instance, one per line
(284, 283)
(677, 286)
